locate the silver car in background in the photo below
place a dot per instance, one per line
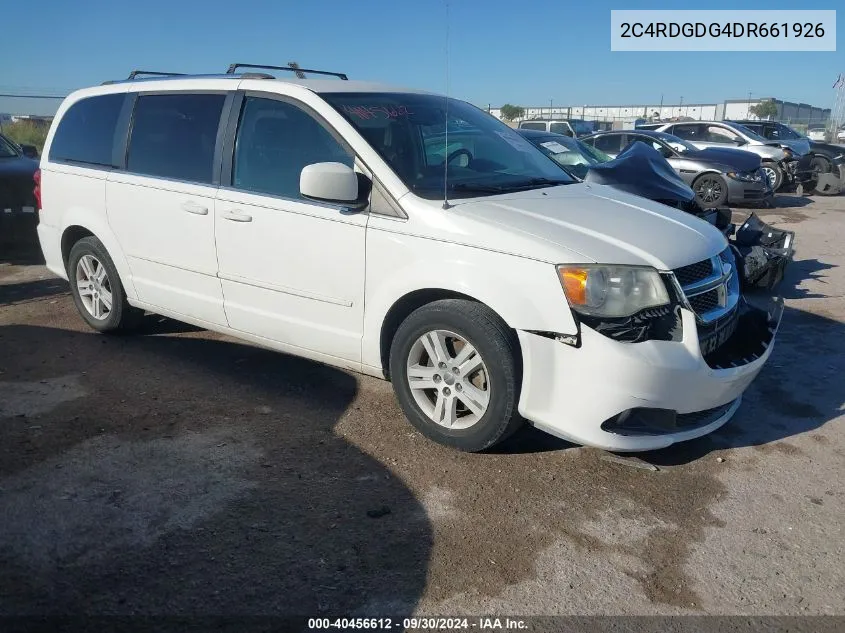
(722, 134)
(717, 176)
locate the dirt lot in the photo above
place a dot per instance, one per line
(178, 471)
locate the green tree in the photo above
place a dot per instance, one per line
(511, 112)
(764, 109)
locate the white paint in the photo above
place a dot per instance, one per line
(315, 280)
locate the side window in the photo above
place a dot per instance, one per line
(561, 128)
(665, 151)
(533, 126)
(688, 132)
(174, 135)
(718, 134)
(609, 143)
(275, 141)
(758, 129)
(770, 132)
(86, 131)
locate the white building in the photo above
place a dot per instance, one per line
(626, 115)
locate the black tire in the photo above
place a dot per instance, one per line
(499, 349)
(121, 316)
(822, 165)
(778, 172)
(711, 190)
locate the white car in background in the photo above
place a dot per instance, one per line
(405, 236)
(817, 132)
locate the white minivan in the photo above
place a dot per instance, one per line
(406, 236)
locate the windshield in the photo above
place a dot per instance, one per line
(582, 128)
(6, 149)
(483, 155)
(753, 136)
(677, 144)
(787, 132)
(575, 157)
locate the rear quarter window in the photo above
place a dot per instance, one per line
(86, 131)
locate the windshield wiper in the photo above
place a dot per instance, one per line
(530, 183)
(469, 186)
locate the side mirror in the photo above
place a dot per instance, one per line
(331, 182)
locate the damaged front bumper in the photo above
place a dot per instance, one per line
(762, 253)
(643, 396)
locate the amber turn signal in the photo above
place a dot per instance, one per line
(574, 281)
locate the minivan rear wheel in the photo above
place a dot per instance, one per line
(455, 368)
(96, 288)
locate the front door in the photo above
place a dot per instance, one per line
(292, 270)
(161, 207)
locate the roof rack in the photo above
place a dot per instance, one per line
(234, 67)
(135, 73)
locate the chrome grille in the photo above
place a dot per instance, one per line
(694, 272)
(710, 287)
(705, 302)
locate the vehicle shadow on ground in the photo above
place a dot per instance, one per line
(183, 475)
(791, 202)
(796, 392)
(27, 291)
(22, 252)
(798, 272)
(153, 324)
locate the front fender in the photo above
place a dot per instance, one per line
(524, 292)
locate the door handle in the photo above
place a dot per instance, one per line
(236, 215)
(193, 207)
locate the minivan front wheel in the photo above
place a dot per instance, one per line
(96, 288)
(456, 373)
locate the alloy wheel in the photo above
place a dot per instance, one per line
(92, 282)
(709, 189)
(771, 176)
(448, 379)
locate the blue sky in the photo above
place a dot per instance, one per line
(519, 52)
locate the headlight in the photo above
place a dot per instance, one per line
(612, 291)
(745, 176)
(787, 152)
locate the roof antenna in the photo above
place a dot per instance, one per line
(446, 204)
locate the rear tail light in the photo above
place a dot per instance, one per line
(36, 177)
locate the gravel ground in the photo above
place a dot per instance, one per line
(179, 471)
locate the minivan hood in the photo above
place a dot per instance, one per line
(598, 223)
